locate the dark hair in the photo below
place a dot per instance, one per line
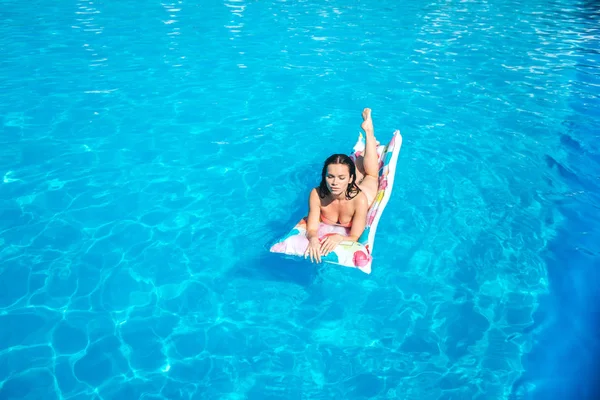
(353, 188)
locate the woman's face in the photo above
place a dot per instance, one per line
(337, 178)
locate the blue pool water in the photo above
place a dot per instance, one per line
(150, 153)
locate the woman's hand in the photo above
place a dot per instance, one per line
(313, 250)
(330, 242)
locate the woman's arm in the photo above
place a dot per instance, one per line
(314, 214)
(312, 227)
(359, 221)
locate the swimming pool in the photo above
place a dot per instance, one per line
(152, 151)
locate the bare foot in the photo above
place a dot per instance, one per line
(367, 124)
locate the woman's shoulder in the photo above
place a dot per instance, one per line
(360, 199)
(315, 196)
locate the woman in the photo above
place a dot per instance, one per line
(344, 196)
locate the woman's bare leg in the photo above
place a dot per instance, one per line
(367, 165)
(370, 163)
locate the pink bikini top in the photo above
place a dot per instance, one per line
(328, 221)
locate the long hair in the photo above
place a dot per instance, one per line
(352, 189)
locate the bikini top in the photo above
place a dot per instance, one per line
(328, 221)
